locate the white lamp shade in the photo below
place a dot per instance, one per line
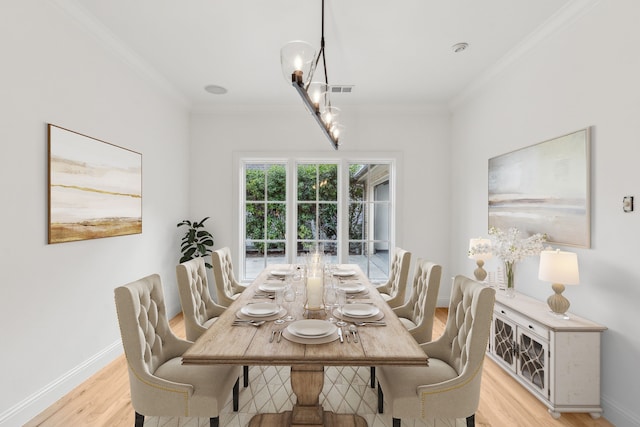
(297, 56)
(559, 267)
(480, 249)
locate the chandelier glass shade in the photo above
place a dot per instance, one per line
(297, 58)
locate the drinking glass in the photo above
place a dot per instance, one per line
(342, 300)
(279, 299)
(330, 300)
(289, 296)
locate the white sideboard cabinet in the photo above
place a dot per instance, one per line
(557, 360)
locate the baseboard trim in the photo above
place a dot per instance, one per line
(617, 415)
(32, 405)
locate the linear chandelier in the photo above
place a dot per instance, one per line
(299, 63)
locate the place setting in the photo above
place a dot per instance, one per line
(360, 313)
(254, 313)
(310, 331)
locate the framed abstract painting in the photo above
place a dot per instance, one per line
(95, 188)
(544, 188)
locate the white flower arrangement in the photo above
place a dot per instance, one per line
(511, 248)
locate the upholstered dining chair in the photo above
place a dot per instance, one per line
(394, 290)
(450, 386)
(418, 312)
(199, 310)
(160, 384)
(227, 287)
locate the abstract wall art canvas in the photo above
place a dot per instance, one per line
(95, 188)
(544, 188)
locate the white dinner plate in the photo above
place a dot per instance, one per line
(280, 273)
(360, 310)
(344, 273)
(271, 286)
(260, 309)
(311, 328)
(352, 288)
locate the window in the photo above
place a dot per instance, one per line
(291, 206)
(317, 209)
(265, 213)
(370, 219)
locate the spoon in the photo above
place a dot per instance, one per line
(354, 331)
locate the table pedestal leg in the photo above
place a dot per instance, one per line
(306, 383)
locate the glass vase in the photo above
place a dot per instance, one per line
(509, 273)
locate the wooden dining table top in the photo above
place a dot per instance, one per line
(223, 343)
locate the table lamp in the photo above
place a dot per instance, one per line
(559, 268)
(480, 250)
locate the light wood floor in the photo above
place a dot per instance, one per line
(103, 400)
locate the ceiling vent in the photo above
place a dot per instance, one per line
(341, 88)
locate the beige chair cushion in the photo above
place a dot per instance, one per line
(395, 379)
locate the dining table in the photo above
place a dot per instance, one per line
(236, 340)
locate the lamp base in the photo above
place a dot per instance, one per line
(557, 302)
(480, 272)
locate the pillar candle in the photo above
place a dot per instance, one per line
(314, 293)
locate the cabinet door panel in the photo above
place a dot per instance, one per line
(533, 363)
(504, 333)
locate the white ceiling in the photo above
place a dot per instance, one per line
(394, 52)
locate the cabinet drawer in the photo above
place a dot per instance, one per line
(524, 322)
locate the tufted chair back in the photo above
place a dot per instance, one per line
(150, 344)
(394, 290)
(418, 312)
(199, 309)
(227, 287)
(468, 323)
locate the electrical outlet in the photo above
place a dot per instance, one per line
(627, 203)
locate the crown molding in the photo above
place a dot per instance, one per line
(563, 18)
(87, 21)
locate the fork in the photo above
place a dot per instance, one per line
(247, 322)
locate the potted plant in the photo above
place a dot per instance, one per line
(196, 242)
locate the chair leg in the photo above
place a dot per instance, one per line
(214, 422)
(236, 395)
(373, 377)
(139, 420)
(396, 422)
(380, 400)
(245, 376)
(471, 420)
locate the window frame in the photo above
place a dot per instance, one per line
(292, 160)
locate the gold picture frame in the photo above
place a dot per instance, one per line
(95, 188)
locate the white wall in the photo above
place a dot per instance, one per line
(56, 301)
(585, 75)
(420, 134)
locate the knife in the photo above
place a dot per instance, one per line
(340, 335)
